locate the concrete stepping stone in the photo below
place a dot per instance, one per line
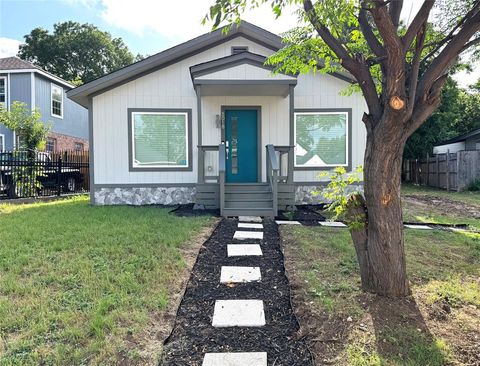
(244, 225)
(248, 235)
(239, 250)
(286, 222)
(420, 227)
(239, 274)
(250, 218)
(238, 313)
(332, 223)
(235, 359)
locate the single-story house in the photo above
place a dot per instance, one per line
(22, 81)
(208, 122)
(468, 141)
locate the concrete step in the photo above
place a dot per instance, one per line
(235, 212)
(250, 203)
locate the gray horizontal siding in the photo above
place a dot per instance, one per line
(75, 117)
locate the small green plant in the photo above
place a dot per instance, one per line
(31, 135)
(342, 195)
(474, 186)
(289, 215)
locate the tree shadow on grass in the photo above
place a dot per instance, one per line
(402, 335)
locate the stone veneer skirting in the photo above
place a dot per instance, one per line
(304, 195)
(145, 196)
(311, 195)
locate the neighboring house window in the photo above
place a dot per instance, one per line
(2, 143)
(239, 49)
(3, 91)
(51, 144)
(78, 146)
(321, 139)
(160, 139)
(57, 100)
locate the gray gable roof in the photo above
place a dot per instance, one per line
(15, 64)
(468, 135)
(172, 55)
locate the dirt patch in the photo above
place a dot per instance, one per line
(194, 335)
(443, 205)
(160, 325)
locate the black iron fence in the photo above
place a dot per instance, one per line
(32, 173)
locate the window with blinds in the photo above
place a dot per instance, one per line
(321, 139)
(160, 139)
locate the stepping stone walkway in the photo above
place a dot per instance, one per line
(236, 309)
(286, 222)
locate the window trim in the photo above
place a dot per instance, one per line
(2, 137)
(131, 143)
(51, 101)
(4, 78)
(54, 144)
(348, 112)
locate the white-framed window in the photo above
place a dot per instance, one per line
(3, 91)
(2, 142)
(321, 139)
(160, 140)
(56, 93)
(51, 144)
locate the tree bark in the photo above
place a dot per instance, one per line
(380, 245)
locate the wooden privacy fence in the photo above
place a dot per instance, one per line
(450, 171)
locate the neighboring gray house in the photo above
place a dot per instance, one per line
(24, 82)
(468, 141)
(207, 122)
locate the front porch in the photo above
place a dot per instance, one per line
(245, 149)
(246, 199)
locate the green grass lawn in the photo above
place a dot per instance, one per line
(438, 325)
(81, 284)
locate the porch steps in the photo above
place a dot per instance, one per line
(248, 199)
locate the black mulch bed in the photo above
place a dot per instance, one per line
(188, 211)
(306, 214)
(193, 334)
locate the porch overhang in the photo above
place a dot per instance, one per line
(242, 74)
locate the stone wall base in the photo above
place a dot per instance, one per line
(311, 195)
(144, 196)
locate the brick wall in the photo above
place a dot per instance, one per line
(62, 142)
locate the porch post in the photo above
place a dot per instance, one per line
(291, 152)
(200, 159)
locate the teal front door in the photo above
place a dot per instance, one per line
(242, 148)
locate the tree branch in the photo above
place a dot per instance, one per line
(356, 67)
(395, 8)
(450, 52)
(426, 107)
(367, 31)
(417, 22)
(414, 72)
(451, 34)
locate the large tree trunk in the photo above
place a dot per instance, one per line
(380, 245)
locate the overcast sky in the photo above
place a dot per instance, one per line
(147, 26)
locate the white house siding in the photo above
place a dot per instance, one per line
(323, 91)
(244, 72)
(170, 87)
(453, 148)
